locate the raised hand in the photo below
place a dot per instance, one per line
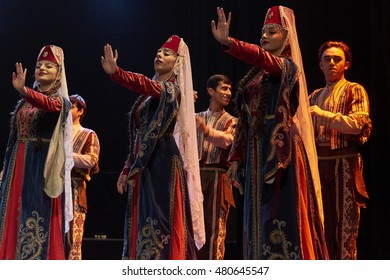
(109, 60)
(19, 78)
(221, 29)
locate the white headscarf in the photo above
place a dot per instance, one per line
(59, 161)
(185, 136)
(302, 118)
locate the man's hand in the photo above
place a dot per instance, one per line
(316, 111)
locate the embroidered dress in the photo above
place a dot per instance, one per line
(86, 148)
(158, 217)
(218, 196)
(32, 223)
(281, 218)
(339, 135)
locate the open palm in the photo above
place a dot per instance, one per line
(221, 29)
(19, 77)
(109, 60)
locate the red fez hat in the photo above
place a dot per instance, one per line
(51, 53)
(279, 15)
(172, 43)
(273, 16)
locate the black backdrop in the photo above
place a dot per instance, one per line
(138, 28)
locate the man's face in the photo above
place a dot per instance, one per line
(333, 64)
(76, 113)
(222, 94)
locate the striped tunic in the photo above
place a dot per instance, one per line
(343, 128)
(222, 134)
(218, 196)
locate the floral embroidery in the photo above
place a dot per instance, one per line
(170, 88)
(150, 241)
(278, 238)
(32, 238)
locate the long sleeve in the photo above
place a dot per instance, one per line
(42, 101)
(84, 161)
(137, 83)
(221, 139)
(256, 56)
(358, 113)
(345, 111)
(89, 155)
(214, 146)
(237, 150)
(347, 124)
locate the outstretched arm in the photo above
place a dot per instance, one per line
(221, 29)
(109, 60)
(37, 99)
(133, 81)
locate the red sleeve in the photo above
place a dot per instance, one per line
(125, 170)
(238, 148)
(256, 56)
(137, 83)
(42, 101)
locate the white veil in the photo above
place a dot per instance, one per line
(302, 118)
(185, 136)
(59, 161)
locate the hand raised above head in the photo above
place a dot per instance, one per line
(109, 60)
(221, 29)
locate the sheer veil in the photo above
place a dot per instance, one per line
(185, 136)
(302, 118)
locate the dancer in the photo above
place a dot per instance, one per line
(35, 195)
(341, 117)
(274, 144)
(161, 173)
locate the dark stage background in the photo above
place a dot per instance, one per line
(137, 29)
